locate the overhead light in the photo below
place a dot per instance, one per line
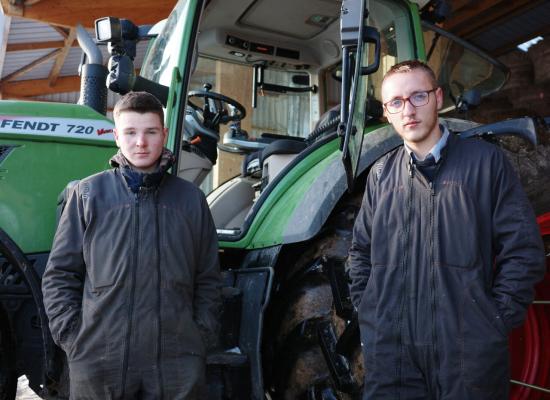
(236, 53)
(525, 46)
(320, 20)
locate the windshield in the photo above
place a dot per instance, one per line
(286, 114)
(460, 67)
(163, 54)
(278, 113)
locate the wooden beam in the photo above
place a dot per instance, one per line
(478, 16)
(40, 87)
(5, 22)
(61, 30)
(62, 56)
(31, 66)
(510, 46)
(68, 13)
(53, 44)
(10, 9)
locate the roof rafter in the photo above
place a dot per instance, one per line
(31, 66)
(4, 39)
(39, 87)
(69, 13)
(60, 59)
(472, 17)
(52, 44)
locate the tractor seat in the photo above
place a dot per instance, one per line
(276, 156)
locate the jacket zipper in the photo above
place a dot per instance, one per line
(432, 278)
(432, 267)
(135, 246)
(159, 308)
(403, 311)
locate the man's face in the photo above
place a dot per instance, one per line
(140, 138)
(417, 126)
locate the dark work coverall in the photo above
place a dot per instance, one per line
(441, 272)
(132, 285)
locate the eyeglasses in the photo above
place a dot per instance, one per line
(417, 99)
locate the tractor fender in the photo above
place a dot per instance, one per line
(325, 192)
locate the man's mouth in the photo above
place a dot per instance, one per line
(411, 124)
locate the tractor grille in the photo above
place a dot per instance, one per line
(6, 149)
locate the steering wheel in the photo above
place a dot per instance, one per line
(214, 110)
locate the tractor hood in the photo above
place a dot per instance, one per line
(54, 122)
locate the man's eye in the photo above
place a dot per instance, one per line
(419, 97)
(395, 103)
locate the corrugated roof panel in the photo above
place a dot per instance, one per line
(25, 31)
(19, 59)
(70, 67)
(39, 72)
(521, 27)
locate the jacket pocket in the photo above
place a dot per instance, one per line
(68, 343)
(485, 338)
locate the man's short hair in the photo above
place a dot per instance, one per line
(140, 102)
(411, 65)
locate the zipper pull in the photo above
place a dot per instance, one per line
(432, 190)
(410, 168)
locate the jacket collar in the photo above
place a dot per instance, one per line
(136, 179)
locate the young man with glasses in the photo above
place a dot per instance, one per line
(444, 257)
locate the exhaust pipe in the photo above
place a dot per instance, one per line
(93, 74)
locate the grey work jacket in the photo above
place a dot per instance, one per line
(133, 278)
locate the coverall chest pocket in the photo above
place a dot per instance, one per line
(457, 230)
(388, 224)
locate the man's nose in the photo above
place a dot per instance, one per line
(408, 108)
(141, 141)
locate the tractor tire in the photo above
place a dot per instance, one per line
(302, 369)
(307, 321)
(532, 163)
(529, 344)
(8, 376)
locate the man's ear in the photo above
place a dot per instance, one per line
(439, 97)
(115, 133)
(165, 133)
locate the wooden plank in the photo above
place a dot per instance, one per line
(10, 9)
(510, 46)
(481, 15)
(69, 13)
(39, 87)
(52, 44)
(5, 22)
(62, 56)
(4, 33)
(61, 30)
(31, 66)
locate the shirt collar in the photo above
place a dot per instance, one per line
(436, 150)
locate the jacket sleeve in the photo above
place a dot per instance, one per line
(63, 279)
(359, 260)
(208, 281)
(517, 244)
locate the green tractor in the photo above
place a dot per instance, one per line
(273, 108)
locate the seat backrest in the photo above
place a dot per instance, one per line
(278, 155)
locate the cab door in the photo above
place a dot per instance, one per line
(170, 61)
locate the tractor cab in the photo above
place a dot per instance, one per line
(266, 83)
